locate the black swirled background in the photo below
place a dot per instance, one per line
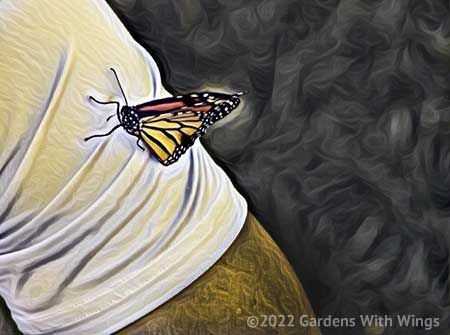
(342, 147)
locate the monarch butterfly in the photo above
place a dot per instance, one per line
(170, 126)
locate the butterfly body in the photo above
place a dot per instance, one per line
(171, 125)
(130, 120)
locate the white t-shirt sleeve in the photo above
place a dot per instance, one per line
(93, 235)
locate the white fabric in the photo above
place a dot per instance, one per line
(93, 235)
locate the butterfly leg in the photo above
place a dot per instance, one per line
(109, 103)
(103, 102)
(102, 135)
(140, 146)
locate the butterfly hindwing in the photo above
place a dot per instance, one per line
(170, 126)
(169, 136)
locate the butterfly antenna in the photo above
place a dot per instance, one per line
(102, 135)
(121, 89)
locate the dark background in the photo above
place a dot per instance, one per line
(342, 148)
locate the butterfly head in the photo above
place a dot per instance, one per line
(130, 119)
